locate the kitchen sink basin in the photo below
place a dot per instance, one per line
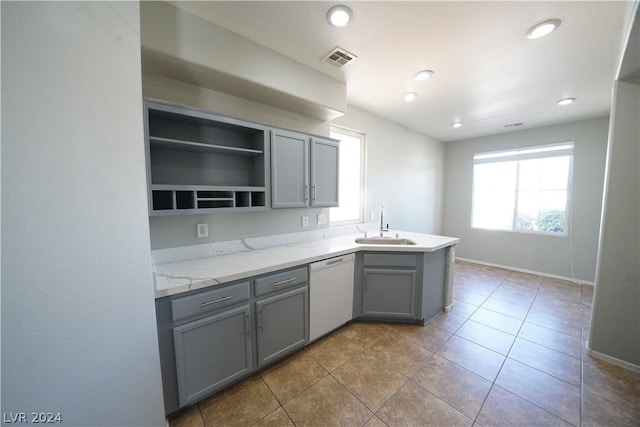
(384, 241)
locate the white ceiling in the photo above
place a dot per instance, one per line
(487, 73)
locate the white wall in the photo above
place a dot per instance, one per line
(404, 172)
(551, 255)
(78, 318)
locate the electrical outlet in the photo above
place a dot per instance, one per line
(322, 219)
(202, 230)
(305, 221)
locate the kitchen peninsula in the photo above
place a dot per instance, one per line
(228, 309)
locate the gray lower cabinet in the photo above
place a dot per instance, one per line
(213, 337)
(389, 293)
(402, 287)
(212, 352)
(282, 324)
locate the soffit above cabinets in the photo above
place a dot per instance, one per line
(198, 52)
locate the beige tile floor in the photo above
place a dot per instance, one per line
(510, 353)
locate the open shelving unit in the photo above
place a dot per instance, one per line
(198, 162)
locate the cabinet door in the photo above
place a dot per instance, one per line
(212, 352)
(389, 293)
(289, 170)
(282, 324)
(325, 156)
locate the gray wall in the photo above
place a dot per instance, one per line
(78, 319)
(615, 327)
(545, 254)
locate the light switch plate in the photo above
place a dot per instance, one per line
(305, 221)
(202, 230)
(322, 219)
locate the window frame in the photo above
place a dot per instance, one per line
(363, 155)
(519, 154)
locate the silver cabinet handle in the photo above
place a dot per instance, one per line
(284, 282)
(313, 192)
(306, 193)
(215, 301)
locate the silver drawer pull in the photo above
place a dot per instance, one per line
(215, 301)
(284, 282)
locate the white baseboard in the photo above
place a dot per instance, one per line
(523, 270)
(612, 360)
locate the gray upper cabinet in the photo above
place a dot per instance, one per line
(325, 156)
(199, 162)
(304, 170)
(289, 169)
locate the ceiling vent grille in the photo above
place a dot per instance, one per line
(339, 57)
(514, 125)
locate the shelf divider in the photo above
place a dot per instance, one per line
(157, 141)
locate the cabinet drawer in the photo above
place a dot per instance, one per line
(390, 260)
(280, 281)
(209, 301)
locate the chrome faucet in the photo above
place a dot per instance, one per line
(382, 229)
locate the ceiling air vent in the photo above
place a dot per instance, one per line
(339, 57)
(514, 125)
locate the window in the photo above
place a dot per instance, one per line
(523, 190)
(351, 176)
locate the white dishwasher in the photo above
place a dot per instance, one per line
(330, 294)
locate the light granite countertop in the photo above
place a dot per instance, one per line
(179, 270)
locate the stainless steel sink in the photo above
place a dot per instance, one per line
(384, 241)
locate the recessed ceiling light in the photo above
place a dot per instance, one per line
(566, 101)
(423, 75)
(456, 125)
(543, 28)
(410, 96)
(339, 15)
